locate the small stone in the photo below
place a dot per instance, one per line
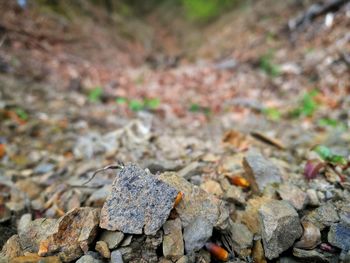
(164, 260)
(212, 187)
(88, 259)
(112, 238)
(138, 203)
(197, 234)
(323, 216)
(98, 197)
(33, 258)
(102, 248)
(24, 222)
(260, 171)
(29, 187)
(12, 248)
(235, 194)
(196, 202)
(241, 237)
(258, 252)
(314, 256)
(173, 245)
(312, 197)
(116, 257)
(339, 236)
(280, 227)
(311, 236)
(183, 259)
(127, 240)
(293, 194)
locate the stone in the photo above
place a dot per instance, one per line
(339, 236)
(173, 245)
(235, 195)
(29, 187)
(312, 197)
(196, 202)
(260, 171)
(112, 238)
(138, 203)
(212, 187)
(323, 216)
(33, 258)
(314, 256)
(88, 259)
(102, 248)
(258, 252)
(69, 236)
(183, 259)
(280, 227)
(311, 236)
(241, 237)
(12, 248)
(197, 234)
(293, 194)
(116, 257)
(98, 197)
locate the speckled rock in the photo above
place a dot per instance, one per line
(197, 234)
(323, 216)
(102, 248)
(88, 259)
(173, 245)
(260, 171)
(12, 248)
(314, 256)
(138, 203)
(116, 257)
(242, 238)
(280, 227)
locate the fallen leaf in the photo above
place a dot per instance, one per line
(236, 139)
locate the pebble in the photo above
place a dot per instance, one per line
(173, 245)
(311, 236)
(88, 259)
(312, 197)
(339, 236)
(138, 203)
(197, 234)
(314, 256)
(235, 195)
(260, 171)
(102, 248)
(112, 238)
(212, 187)
(293, 194)
(323, 216)
(116, 257)
(280, 227)
(242, 238)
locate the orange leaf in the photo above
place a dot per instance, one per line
(239, 181)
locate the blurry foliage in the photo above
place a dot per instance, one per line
(308, 105)
(327, 155)
(194, 107)
(95, 94)
(138, 105)
(272, 114)
(22, 114)
(267, 65)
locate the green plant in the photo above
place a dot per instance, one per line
(22, 114)
(328, 122)
(308, 105)
(267, 65)
(326, 154)
(138, 105)
(272, 114)
(194, 107)
(95, 94)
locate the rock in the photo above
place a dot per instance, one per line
(196, 202)
(127, 240)
(98, 197)
(183, 259)
(212, 187)
(88, 259)
(312, 197)
(197, 234)
(24, 222)
(323, 216)
(12, 248)
(293, 194)
(164, 260)
(102, 248)
(112, 238)
(139, 202)
(33, 258)
(116, 257)
(339, 236)
(69, 236)
(173, 246)
(29, 187)
(311, 236)
(260, 171)
(235, 194)
(241, 237)
(314, 256)
(189, 170)
(280, 227)
(258, 252)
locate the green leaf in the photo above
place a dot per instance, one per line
(152, 103)
(121, 100)
(22, 114)
(309, 105)
(95, 94)
(272, 114)
(323, 151)
(195, 107)
(136, 105)
(337, 159)
(266, 64)
(328, 122)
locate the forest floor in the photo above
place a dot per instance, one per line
(252, 113)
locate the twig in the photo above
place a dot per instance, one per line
(118, 166)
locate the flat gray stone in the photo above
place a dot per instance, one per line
(314, 256)
(197, 234)
(116, 257)
(260, 171)
(242, 238)
(88, 259)
(112, 238)
(293, 194)
(280, 227)
(139, 202)
(324, 216)
(339, 236)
